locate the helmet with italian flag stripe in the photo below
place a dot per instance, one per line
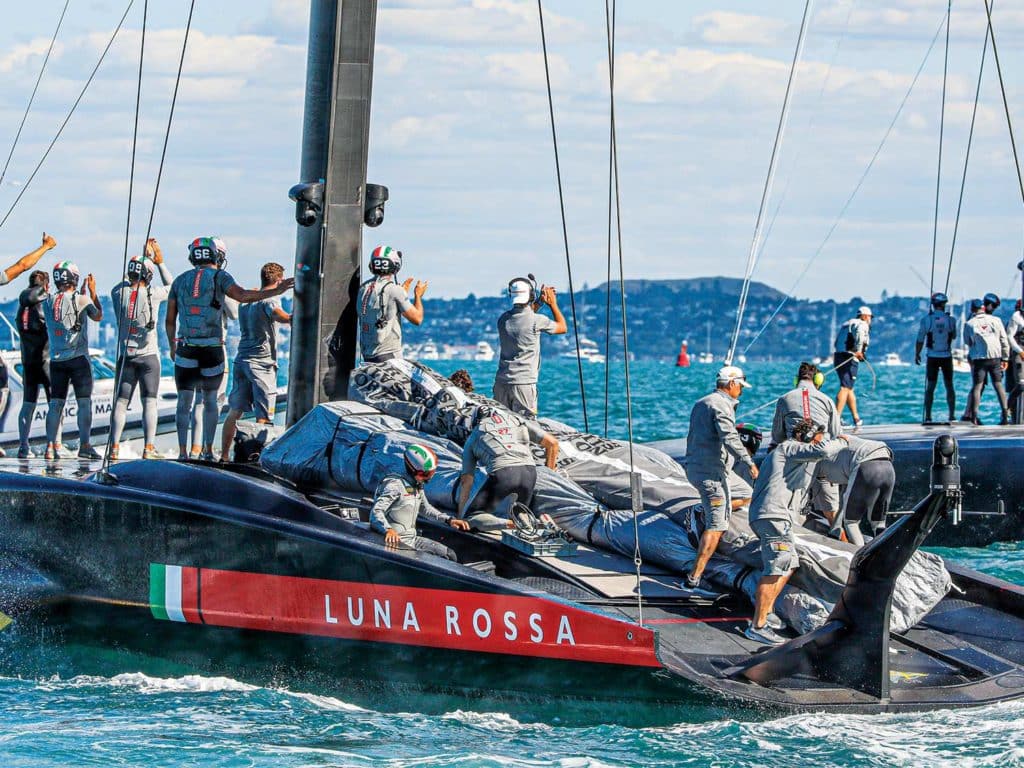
(138, 269)
(385, 260)
(421, 462)
(65, 273)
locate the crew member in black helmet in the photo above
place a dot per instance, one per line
(195, 329)
(137, 307)
(989, 353)
(35, 353)
(1015, 371)
(382, 305)
(936, 335)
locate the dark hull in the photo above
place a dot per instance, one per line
(201, 569)
(991, 459)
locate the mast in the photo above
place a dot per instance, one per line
(330, 205)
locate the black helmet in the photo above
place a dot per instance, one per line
(138, 269)
(991, 300)
(750, 436)
(939, 299)
(207, 250)
(976, 305)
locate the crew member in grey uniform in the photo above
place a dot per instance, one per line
(67, 326)
(780, 493)
(29, 260)
(519, 330)
(712, 447)
(137, 306)
(399, 500)
(989, 353)
(1015, 370)
(500, 445)
(936, 334)
(254, 376)
(382, 305)
(195, 332)
(865, 468)
(850, 349)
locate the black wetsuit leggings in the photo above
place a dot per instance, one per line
(518, 480)
(1015, 385)
(934, 366)
(991, 367)
(871, 492)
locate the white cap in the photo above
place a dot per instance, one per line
(731, 373)
(519, 290)
(865, 311)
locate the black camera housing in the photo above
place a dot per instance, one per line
(309, 201)
(373, 204)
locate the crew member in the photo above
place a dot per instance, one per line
(989, 353)
(500, 445)
(519, 330)
(29, 260)
(805, 401)
(399, 500)
(1015, 371)
(462, 380)
(196, 300)
(137, 306)
(865, 468)
(229, 314)
(382, 304)
(780, 493)
(936, 334)
(850, 349)
(712, 447)
(35, 354)
(67, 324)
(254, 375)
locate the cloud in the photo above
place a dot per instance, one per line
(22, 56)
(725, 28)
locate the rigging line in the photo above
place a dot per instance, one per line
(942, 128)
(811, 122)
(1006, 104)
(561, 204)
(853, 195)
(610, 28)
(967, 159)
(122, 318)
(634, 486)
(35, 88)
(67, 119)
(769, 180)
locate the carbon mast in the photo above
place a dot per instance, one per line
(331, 203)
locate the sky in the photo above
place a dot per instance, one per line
(461, 136)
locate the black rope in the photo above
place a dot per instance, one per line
(1006, 104)
(35, 88)
(561, 203)
(609, 13)
(967, 160)
(67, 119)
(122, 317)
(942, 129)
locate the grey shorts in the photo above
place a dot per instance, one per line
(778, 546)
(518, 398)
(717, 502)
(253, 389)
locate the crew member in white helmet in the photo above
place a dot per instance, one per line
(850, 349)
(519, 330)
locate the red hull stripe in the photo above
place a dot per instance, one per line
(190, 595)
(470, 621)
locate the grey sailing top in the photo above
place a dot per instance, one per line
(382, 302)
(519, 331)
(67, 324)
(936, 334)
(397, 504)
(258, 329)
(986, 338)
(713, 444)
(781, 488)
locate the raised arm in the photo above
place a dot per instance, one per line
(247, 296)
(547, 295)
(414, 314)
(90, 284)
(29, 260)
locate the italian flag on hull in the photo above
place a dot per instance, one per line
(174, 593)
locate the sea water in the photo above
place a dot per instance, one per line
(52, 717)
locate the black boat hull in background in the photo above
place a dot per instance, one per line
(991, 466)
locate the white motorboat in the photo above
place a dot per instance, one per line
(484, 352)
(892, 360)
